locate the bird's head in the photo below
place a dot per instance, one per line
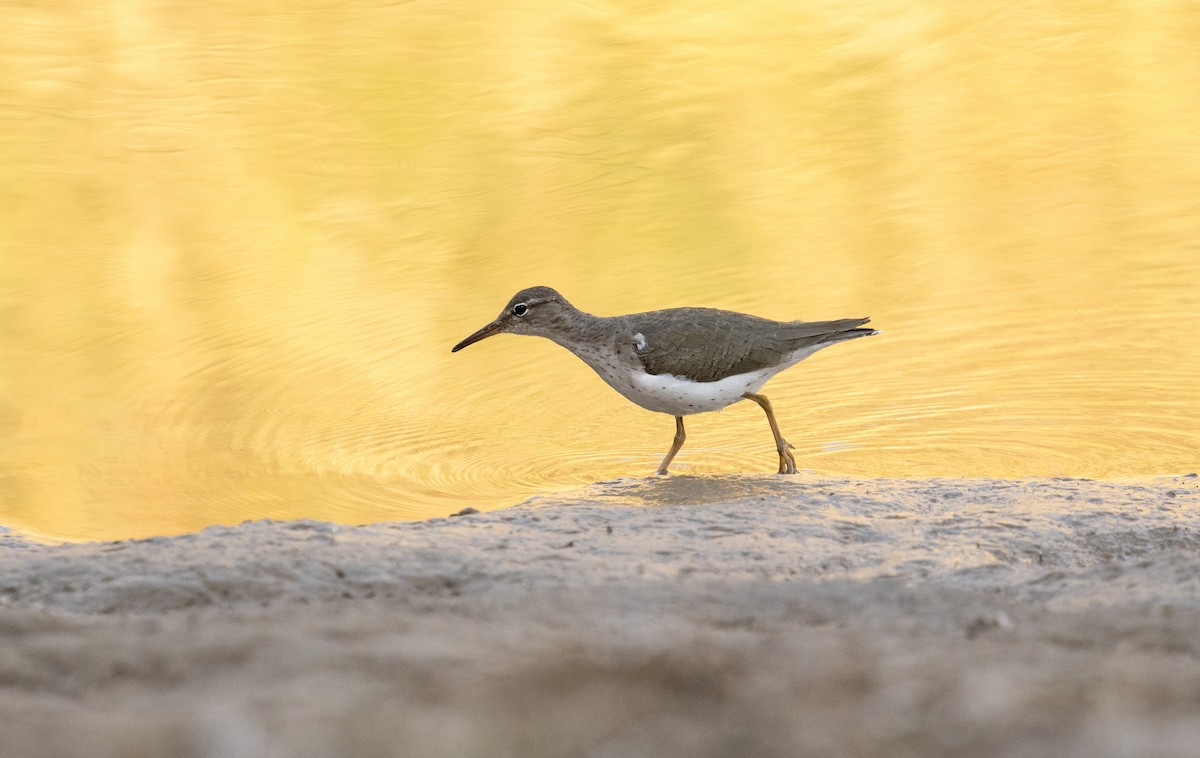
(539, 311)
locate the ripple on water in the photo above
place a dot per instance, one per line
(271, 337)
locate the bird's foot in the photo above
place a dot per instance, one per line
(787, 462)
(662, 471)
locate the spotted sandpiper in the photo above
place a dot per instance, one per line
(678, 361)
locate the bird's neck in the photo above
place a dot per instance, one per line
(582, 331)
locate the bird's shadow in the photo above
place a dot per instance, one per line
(689, 489)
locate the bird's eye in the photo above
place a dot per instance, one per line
(520, 309)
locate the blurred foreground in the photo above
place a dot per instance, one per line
(747, 616)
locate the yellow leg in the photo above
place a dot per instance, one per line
(787, 463)
(678, 443)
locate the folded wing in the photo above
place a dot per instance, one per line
(706, 345)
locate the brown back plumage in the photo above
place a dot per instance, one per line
(706, 344)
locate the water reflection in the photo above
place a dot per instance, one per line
(238, 249)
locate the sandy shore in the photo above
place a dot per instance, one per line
(739, 616)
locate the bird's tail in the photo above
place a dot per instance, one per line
(844, 329)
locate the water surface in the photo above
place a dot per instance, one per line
(238, 242)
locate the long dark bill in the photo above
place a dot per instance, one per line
(487, 331)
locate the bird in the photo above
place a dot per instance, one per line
(678, 361)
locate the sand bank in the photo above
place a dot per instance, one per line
(685, 616)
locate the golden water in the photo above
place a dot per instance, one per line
(239, 239)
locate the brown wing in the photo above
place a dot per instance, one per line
(706, 345)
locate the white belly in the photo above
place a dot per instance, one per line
(667, 393)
